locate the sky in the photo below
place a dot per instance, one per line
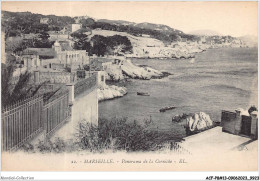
(226, 18)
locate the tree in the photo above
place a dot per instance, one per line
(44, 36)
(13, 44)
(87, 22)
(12, 93)
(42, 41)
(118, 49)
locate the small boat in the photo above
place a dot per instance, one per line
(143, 94)
(167, 108)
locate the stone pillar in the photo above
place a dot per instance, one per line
(101, 79)
(70, 86)
(254, 124)
(36, 77)
(238, 122)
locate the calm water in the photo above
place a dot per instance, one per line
(218, 79)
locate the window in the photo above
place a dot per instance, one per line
(102, 78)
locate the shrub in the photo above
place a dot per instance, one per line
(44, 146)
(47, 146)
(252, 109)
(27, 147)
(121, 134)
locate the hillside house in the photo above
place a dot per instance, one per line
(145, 35)
(44, 20)
(59, 35)
(60, 53)
(75, 27)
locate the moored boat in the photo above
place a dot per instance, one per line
(143, 94)
(167, 108)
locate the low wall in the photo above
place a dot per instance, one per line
(236, 123)
(85, 107)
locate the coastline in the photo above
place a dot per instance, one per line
(183, 71)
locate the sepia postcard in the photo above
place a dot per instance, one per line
(129, 86)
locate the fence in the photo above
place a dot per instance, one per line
(85, 84)
(20, 122)
(27, 118)
(55, 113)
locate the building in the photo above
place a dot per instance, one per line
(75, 27)
(60, 53)
(145, 35)
(3, 54)
(99, 64)
(59, 35)
(31, 61)
(44, 20)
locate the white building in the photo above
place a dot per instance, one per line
(44, 20)
(75, 27)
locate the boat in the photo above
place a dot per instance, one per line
(167, 108)
(143, 94)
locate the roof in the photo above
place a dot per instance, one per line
(39, 51)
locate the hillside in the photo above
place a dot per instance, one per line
(251, 41)
(136, 41)
(145, 25)
(205, 32)
(17, 23)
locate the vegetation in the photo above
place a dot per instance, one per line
(58, 146)
(252, 109)
(117, 134)
(17, 23)
(14, 92)
(138, 31)
(101, 45)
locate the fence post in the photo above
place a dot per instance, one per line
(238, 122)
(36, 77)
(254, 124)
(70, 87)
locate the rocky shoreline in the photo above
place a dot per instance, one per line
(108, 92)
(127, 70)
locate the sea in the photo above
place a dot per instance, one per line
(216, 80)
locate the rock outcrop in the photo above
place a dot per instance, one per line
(106, 92)
(114, 73)
(136, 72)
(126, 69)
(194, 122)
(199, 121)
